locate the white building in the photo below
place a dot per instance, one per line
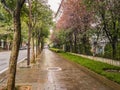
(98, 44)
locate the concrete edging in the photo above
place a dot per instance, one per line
(104, 80)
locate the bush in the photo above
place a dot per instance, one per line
(87, 51)
(108, 51)
(56, 50)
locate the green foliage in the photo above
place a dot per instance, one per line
(41, 20)
(61, 38)
(44, 22)
(24, 32)
(6, 26)
(89, 4)
(108, 51)
(44, 32)
(107, 14)
(62, 35)
(118, 51)
(11, 4)
(87, 48)
(95, 66)
(5, 17)
(56, 50)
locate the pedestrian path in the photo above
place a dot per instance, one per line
(105, 60)
(68, 77)
(52, 72)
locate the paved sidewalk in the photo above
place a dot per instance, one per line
(54, 73)
(105, 60)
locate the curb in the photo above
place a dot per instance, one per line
(7, 67)
(4, 72)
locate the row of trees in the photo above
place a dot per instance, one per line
(28, 20)
(82, 19)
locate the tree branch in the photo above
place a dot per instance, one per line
(3, 2)
(34, 23)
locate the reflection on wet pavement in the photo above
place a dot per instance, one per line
(69, 77)
(54, 73)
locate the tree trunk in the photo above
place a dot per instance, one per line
(38, 49)
(16, 41)
(28, 49)
(113, 50)
(33, 51)
(75, 42)
(14, 52)
(30, 30)
(71, 43)
(84, 41)
(42, 43)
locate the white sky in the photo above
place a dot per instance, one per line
(54, 4)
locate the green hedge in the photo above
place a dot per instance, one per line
(108, 51)
(56, 50)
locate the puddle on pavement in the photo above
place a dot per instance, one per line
(54, 69)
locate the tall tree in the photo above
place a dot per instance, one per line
(76, 18)
(14, 8)
(41, 19)
(106, 13)
(29, 31)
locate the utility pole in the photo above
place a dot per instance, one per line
(29, 33)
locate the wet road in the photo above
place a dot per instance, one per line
(59, 74)
(4, 59)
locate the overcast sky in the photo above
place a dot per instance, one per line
(54, 4)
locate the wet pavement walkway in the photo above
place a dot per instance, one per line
(54, 73)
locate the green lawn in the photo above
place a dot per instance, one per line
(95, 66)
